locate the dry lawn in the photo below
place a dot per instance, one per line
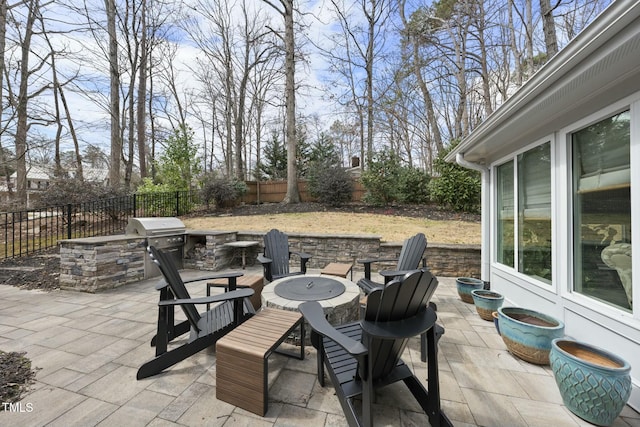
(390, 228)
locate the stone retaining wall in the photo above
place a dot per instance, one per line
(442, 259)
(97, 263)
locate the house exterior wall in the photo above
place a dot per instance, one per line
(594, 77)
(586, 319)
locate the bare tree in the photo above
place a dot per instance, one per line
(549, 26)
(114, 104)
(363, 47)
(293, 195)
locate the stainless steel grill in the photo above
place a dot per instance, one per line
(168, 234)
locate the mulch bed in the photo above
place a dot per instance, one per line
(16, 376)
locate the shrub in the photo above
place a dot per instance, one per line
(72, 190)
(222, 191)
(456, 188)
(330, 184)
(157, 199)
(381, 178)
(413, 186)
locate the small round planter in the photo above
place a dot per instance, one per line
(528, 333)
(496, 322)
(594, 384)
(467, 284)
(486, 302)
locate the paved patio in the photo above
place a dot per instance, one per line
(88, 347)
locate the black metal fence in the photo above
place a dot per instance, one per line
(28, 231)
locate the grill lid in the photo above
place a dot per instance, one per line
(155, 226)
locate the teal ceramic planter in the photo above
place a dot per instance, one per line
(486, 302)
(528, 333)
(594, 384)
(467, 284)
(496, 318)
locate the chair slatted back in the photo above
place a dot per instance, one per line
(175, 283)
(412, 252)
(276, 247)
(401, 299)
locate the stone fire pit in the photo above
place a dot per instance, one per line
(344, 307)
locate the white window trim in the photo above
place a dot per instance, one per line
(539, 287)
(564, 212)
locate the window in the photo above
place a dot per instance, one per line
(602, 210)
(505, 226)
(524, 212)
(534, 212)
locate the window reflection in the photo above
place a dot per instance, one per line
(602, 211)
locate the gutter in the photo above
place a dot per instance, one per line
(470, 165)
(485, 202)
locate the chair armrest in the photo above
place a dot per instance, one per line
(302, 255)
(390, 274)
(368, 286)
(264, 260)
(405, 328)
(237, 294)
(372, 260)
(314, 315)
(367, 264)
(232, 274)
(304, 258)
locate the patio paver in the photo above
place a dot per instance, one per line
(88, 348)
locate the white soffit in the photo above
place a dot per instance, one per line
(600, 66)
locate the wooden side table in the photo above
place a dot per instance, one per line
(338, 269)
(242, 366)
(253, 281)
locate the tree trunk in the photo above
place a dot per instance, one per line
(142, 93)
(517, 56)
(114, 105)
(22, 108)
(424, 90)
(3, 42)
(371, 18)
(549, 27)
(293, 195)
(484, 68)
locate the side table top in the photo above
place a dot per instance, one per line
(242, 244)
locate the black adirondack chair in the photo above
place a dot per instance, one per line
(275, 259)
(205, 329)
(365, 355)
(410, 256)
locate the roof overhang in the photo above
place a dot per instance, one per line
(600, 66)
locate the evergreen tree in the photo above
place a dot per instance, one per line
(324, 151)
(274, 166)
(179, 164)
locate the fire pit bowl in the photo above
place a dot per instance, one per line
(309, 288)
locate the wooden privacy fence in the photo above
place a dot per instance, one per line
(274, 191)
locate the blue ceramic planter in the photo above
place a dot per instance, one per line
(496, 318)
(594, 384)
(528, 333)
(467, 284)
(486, 302)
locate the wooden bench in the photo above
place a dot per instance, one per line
(338, 269)
(242, 357)
(253, 281)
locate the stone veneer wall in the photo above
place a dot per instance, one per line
(204, 250)
(442, 259)
(98, 263)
